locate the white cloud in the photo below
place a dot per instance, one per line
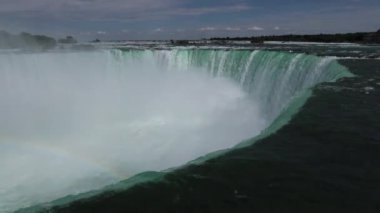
(232, 28)
(101, 32)
(75, 16)
(85, 33)
(256, 28)
(83, 5)
(117, 9)
(207, 29)
(208, 10)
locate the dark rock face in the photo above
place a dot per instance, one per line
(325, 160)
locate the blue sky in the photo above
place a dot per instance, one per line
(186, 19)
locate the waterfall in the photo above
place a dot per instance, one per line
(77, 121)
(271, 78)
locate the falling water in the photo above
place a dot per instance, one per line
(73, 122)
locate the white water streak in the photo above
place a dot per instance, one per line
(247, 66)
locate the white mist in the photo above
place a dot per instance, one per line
(73, 122)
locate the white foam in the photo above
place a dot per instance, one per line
(72, 122)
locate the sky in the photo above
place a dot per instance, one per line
(186, 19)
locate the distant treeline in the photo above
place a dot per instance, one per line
(30, 42)
(362, 37)
(26, 41)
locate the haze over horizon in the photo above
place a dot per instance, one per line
(186, 19)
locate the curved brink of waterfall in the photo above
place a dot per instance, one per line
(278, 82)
(271, 78)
